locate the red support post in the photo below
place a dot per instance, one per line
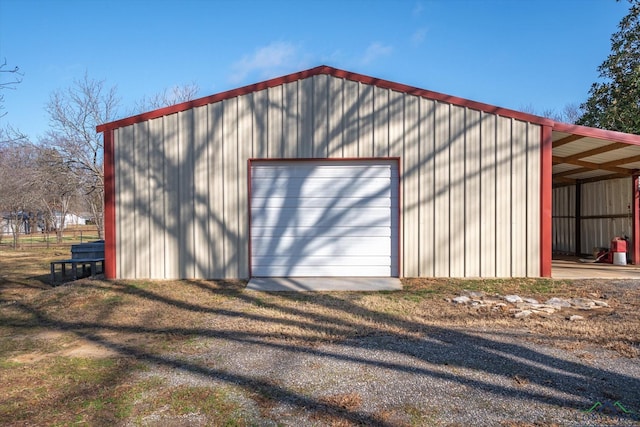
(109, 207)
(635, 218)
(546, 164)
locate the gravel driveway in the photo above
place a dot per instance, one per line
(449, 377)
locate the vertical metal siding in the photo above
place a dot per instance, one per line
(605, 213)
(612, 200)
(141, 201)
(157, 194)
(456, 192)
(470, 179)
(172, 236)
(231, 187)
(426, 210)
(503, 197)
(488, 190)
(201, 192)
(533, 189)
(519, 199)
(411, 188)
(218, 232)
(563, 219)
(472, 202)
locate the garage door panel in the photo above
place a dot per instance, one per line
(324, 271)
(302, 247)
(319, 261)
(312, 230)
(259, 203)
(325, 188)
(324, 171)
(363, 217)
(324, 218)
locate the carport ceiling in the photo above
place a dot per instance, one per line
(587, 154)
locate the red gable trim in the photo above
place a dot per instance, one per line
(323, 69)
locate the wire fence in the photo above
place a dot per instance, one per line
(70, 236)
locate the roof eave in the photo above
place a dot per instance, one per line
(589, 132)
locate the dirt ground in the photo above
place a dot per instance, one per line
(167, 352)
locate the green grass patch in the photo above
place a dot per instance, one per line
(216, 404)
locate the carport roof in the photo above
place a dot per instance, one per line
(587, 154)
(580, 153)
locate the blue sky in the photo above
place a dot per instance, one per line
(519, 54)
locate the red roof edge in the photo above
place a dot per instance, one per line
(324, 69)
(589, 132)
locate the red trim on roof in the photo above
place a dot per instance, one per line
(589, 132)
(323, 69)
(109, 207)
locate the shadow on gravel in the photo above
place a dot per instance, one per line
(481, 359)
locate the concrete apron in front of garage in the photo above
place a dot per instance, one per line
(574, 269)
(284, 284)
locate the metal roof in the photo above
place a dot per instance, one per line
(579, 152)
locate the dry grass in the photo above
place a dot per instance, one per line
(73, 353)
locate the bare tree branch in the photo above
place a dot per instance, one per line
(74, 114)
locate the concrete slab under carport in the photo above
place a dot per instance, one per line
(318, 284)
(570, 268)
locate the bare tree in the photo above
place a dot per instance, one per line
(19, 198)
(74, 114)
(169, 96)
(9, 135)
(569, 114)
(58, 185)
(14, 80)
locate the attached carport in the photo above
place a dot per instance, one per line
(595, 191)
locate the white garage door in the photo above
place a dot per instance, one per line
(324, 218)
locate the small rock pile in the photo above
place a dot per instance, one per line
(524, 307)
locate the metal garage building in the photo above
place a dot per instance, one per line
(330, 173)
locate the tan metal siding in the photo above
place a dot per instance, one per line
(305, 100)
(456, 192)
(563, 219)
(426, 208)
(441, 214)
(291, 121)
(231, 187)
(503, 198)
(276, 107)
(533, 190)
(336, 117)
(244, 152)
(126, 185)
(186, 194)
(488, 195)
(217, 229)
(470, 180)
(201, 190)
(519, 199)
(411, 187)
(350, 120)
(604, 210)
(172, 235)
(157, 194)
(472, 187)
(611, 200)
(380, 122)
(320, 116)
(141, 200)
(365, 121)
